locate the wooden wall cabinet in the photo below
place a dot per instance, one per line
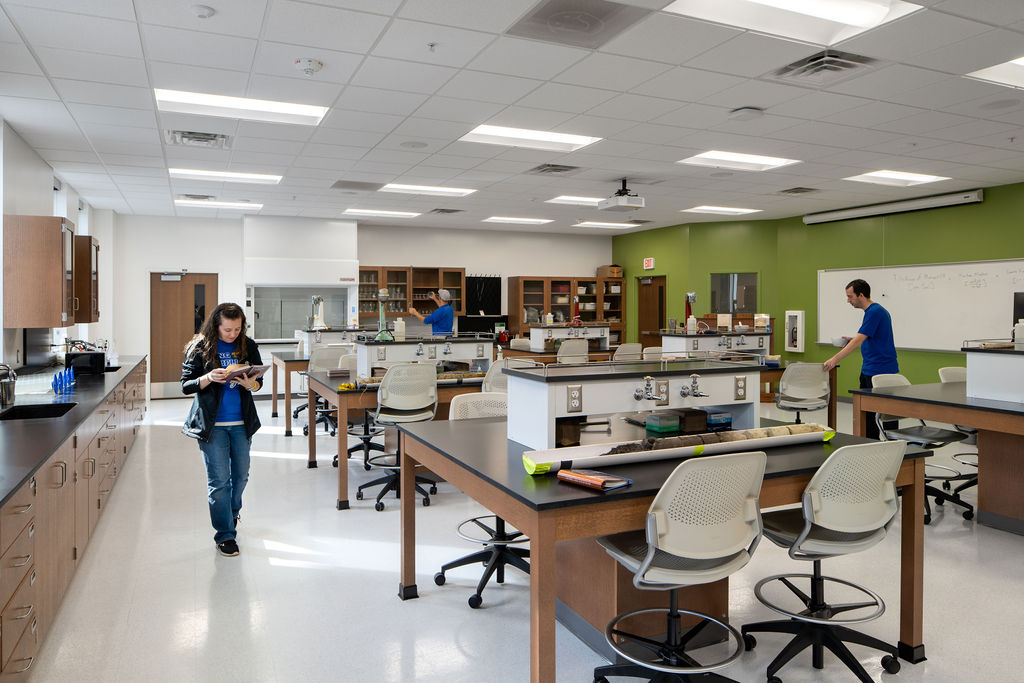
(86, 278)
(601, 299)
(409, 286)
(38, 261)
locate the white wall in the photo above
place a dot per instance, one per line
(485, 252)
(155, 244)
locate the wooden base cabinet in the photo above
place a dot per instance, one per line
(56, 544)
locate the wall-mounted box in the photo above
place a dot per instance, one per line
(795, 331)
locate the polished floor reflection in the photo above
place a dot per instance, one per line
(313, 595)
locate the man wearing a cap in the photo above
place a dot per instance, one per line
(441, 320)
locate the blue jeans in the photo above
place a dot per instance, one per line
(227, 470)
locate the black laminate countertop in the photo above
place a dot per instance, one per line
(620, 370)
(489, 339)
(26, 444)
(1011, 351)
(714, 334)
(482, 447)
(290, 355)
(328, 381)
(945, 394)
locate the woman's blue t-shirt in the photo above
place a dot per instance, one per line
(231, 400)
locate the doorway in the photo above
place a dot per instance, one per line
(651, 309)
(178, 305)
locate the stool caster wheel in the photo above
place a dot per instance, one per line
(305, 430)
(334, 462)
(927, 519)
(359, 495)
(334, 433)
(433, 490)
(749, 642)
(439, 578)
(946, 486)
(366, 467)
(774, 679)
(969, 514)
(426, 502)
(939, 501)
(890, 664)
(600, 679)
(475, 600)
(379, 507)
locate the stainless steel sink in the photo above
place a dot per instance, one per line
(33, 411)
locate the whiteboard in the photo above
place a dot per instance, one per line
(934, 306)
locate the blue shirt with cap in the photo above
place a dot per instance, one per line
(441, 321)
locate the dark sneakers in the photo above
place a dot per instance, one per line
(228, 548)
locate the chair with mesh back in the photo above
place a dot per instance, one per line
(321, 359)
(573, 351)
(496, 380)
(498, 540)
(847, 507)
(703, 526)
(629, 351)
(652, 353)
(520, 344)
(967, 479)
(407, 393)
(803, 386)
(362, 429)
(926, 436)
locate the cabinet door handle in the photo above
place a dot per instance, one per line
(76, 303)
(26, 667)
(22, 509)
(111, 426)
(25, 559)
(92, 469)
(28, 612)
(63, 474)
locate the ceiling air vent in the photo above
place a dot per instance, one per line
(191, 138)
(581, 23)
(793, 191)
(446, 211)
(824, 68)
(356, 186)
(552, 169)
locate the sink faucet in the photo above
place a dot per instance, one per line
(693, 389)
(648, 391)
(419, 349)
(447, 349)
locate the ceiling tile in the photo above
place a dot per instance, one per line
(923, 122)
(526, 117)
(754, 94)
(689, 85)
(751, 54)
(653, 133)
(669, 38)
(476, 85)
(300, 23)
(91, 66)
(232, 17)
(452, 109)
(888, 82)
(998, 12)
(430, 43)
(379, 101)
(433, 128)
(392, 74)
(635, 107)
(396, 141)
(386, 7)
(815, 105)
(871, 114)
(198, 79)
(179, 46)
(561, 97)
(45, 28)
(911, 35)
(951, 91)
(251, 144)
(203, 124)
(611, 72)
(278, 59)
(595, 126)
(15, 58)
(483, 15)
(112, 9)
(346, 138)
(108, 131)
(361, 120)
(24, 85)
(293, 90)
(527, 58)
(274, 131)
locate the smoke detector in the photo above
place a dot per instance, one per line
(308, 65)
(202, 11)
(746, 114)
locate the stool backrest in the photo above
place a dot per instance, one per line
(652, 353)
(324, 358)
(573, 351)
(482, 404)
(630, 351)
(953, 373)
(496, 380)
(804, 380)
(408, 386)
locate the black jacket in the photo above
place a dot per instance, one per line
(203, 414)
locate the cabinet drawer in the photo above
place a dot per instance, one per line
(16, 514)
(24, 655)
(17, 561)
(17, 615)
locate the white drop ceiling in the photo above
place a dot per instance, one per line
(406, 78)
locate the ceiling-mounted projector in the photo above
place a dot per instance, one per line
(622, 200)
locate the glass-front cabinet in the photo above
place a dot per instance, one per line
(595, 300)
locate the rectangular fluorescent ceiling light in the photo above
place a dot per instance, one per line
(1008, 73)
(204, 104)
(224, 176)
(723, 210)
(823, 22)
(896, 178)
(533, 139)
(737, 161)
(427, 189)
(380, 213)
(599, 224)
(214, 204)
(513, 219)
(576, 201)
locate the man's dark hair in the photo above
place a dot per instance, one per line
(860, 287)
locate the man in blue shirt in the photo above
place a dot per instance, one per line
(442, 320)
(878, 352)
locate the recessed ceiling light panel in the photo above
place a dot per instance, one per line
(896, 178)
(224, 176)
(575, 201)
(514, 219)
(436, 191)
(602, 224)
(1008, 73)
(214, 204)
(723, 210)
(523, 137)
(204, 104)
(380, 213)
(737, 161)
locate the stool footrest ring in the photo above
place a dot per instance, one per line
(612, 632)
(875, 601)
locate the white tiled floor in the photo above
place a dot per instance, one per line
(313, 595)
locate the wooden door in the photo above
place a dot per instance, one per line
(651, 309)
(178, 305)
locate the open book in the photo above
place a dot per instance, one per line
(236, 370)
(593, 479)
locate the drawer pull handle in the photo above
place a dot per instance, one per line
(111, 426)
(28, 612)
(63, 474)
(92, 468)
(102, 412)
(22, 509)
(25, 560)
(104, 492)
(27, 666)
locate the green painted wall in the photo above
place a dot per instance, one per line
(787, 255)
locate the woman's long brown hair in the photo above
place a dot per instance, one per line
(206, 341)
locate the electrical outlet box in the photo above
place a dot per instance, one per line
(574, 398)
(661, 389)
(382, 353)
(740, 388)
(479, 350)
(432, 352)
(760, 342)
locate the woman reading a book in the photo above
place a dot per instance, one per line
(223, 415)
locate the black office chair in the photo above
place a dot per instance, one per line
(926, 436)
(499, 544)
